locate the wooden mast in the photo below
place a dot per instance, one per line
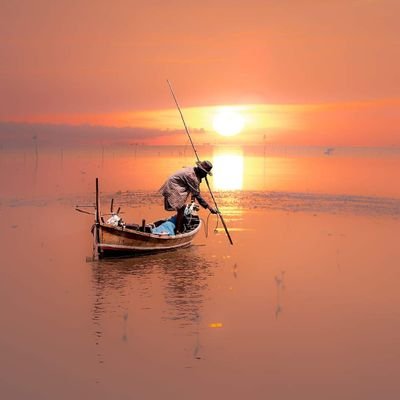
(96, 233)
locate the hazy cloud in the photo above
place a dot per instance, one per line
(19, 135)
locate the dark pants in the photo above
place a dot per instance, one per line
(179, 215)
(179, 219)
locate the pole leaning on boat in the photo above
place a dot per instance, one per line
(96, 228)
(198, 159)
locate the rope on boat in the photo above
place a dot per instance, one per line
(206, 225)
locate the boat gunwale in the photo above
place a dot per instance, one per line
(120, 247)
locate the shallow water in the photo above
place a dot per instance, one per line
(305, 304)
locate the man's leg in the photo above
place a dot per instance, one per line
(179, 220)
(167, 206)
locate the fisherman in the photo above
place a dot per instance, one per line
(180, 185)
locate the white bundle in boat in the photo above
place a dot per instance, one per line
(115, 220)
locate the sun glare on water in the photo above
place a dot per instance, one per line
(228, 171)
(228, 122)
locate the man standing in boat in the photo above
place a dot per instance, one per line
(180, 185)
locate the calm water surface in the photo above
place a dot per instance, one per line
(305, 305)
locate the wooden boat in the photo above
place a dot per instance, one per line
(131, 239)
(115, 238)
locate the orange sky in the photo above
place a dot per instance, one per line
(309, 72)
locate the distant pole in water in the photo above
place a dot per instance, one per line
(198, 159)
(264, 161)
(34, 137)
(265, 136)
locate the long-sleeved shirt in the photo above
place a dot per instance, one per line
(180, 185)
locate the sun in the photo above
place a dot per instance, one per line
(228, 122)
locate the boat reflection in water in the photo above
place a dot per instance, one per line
(228, 168)
(129, 289)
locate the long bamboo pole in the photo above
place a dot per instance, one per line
(198, 159)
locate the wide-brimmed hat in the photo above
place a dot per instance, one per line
(205, 166)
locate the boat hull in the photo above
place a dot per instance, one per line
(115, 241)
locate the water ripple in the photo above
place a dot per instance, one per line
(233, 201)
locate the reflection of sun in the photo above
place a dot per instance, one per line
(228, 171)
(228, 122)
